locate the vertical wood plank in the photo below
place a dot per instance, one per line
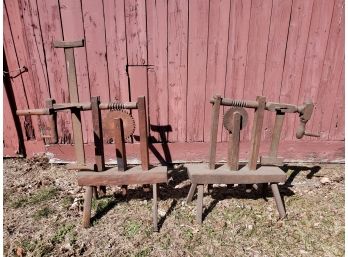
(117, 49)
(337, 121)
(237, 51)
(12, 65)
(157, 40)
(315, 52)
(10, 138)
(37, 59)
(72, 24)
(93, 21)
(138, 87)
(330, 75)
(135, 13)
(197, 64)
(294, 60)
(277, 41)
(219, 15)
(25, 89)
(260, 18)
(50, 22)
(177, 68)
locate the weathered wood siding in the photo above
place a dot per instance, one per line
(178, 54)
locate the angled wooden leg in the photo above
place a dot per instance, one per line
(87, 206)
(278, 200)
(154, 208)
(191, 192)
(199, 204)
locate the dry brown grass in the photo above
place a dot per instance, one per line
(37, 218)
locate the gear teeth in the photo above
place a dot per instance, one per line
(129, 127)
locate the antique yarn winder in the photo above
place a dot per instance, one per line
(234, 120)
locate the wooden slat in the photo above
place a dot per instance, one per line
(51, 31)
(223, 175)
(219, 15)
(72, 24)
(132, 176)
(277, 41)
(294, 60)
(260, 18)
(237, 52)
(330, 75)
(93, 21)
(135, 13)
(197, 62)
(117, 49)
(315, 52)
(337, 120)
(157, 59)
(177, 68)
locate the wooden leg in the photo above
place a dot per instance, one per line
(191, 192)
(278, 200)
(199, 204)
(154, 208)
(87, 206)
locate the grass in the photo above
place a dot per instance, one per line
(43, 194)
(42, 213)
(62, 232)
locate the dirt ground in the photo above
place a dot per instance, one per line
(43, 212)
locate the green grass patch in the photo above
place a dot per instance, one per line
(42, 213)
(62, 232)
(131, 228)
(41, 195)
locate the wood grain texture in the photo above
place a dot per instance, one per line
(93, 21)
(72, 24)
(237, 52)
(117, 49)
(197, 64)
(135, 13)
(157, 40)
(219, 21)
(337, 120)
(260, 18)
(51, 31)
(16, 81)
(294, 60)
(315, 52)
(330, 75)
(177, 68)
(276, 48)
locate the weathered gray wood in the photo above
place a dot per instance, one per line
(191, 192)
(154, 207)
(199, 174)
(87, 206)
(233, 143)
(278, 200)
(214, 131)
(115, 177)
(63, 44)
(143, 130)
(256, 132)
(199, 204)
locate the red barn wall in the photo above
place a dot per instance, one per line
(178, 54)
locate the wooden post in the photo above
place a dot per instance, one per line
(278, 200)
(278, 125)
(144, 148)
(214, 130)
(154, 207)
(74, 98)
(120, 149)
(256, 132)
(233, 143)
(199, 204)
